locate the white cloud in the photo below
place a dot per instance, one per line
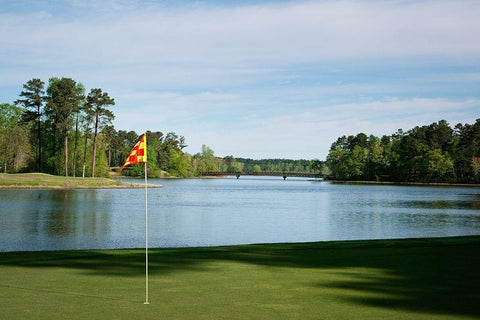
(245, 79)
(283, 33)
(190, 46)
(309, 134)
(234, 125)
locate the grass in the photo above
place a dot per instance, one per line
(42, 180)
(380, 279)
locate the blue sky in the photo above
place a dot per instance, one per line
(259, 79)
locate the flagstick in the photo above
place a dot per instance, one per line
(146, 238)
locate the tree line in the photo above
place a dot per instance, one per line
(58, 128)
(430, 153)
(231, 164)
(36, 132)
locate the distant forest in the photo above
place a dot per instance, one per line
(431, 153)
(58, 128)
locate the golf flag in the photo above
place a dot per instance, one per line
(138, 154)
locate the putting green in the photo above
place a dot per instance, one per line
(380, 279)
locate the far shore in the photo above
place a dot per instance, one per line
(47, 181)
(405, 183)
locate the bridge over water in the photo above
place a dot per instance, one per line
(284, 175)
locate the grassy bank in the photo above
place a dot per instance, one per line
(385, 279)
(42, 180)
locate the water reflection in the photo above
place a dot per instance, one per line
(472, 204)
(202, 212)
(57, 217)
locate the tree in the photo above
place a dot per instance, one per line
(316, 165)
(109, 135)
(179, 166)
(476, 167)
(467, 148)
(85, 123)
(438, 164)
(98, 102)
(63, 101)
(434, 152)
(374, 158)
(175, 141)
(356, 162)
(228, 162)
(336, 161)
(257, 169)
(14, 147)
(10, 116)
(34, 99)
(80, 93)
(205, 161)
(17, 148)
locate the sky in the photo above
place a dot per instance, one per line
(255, 79)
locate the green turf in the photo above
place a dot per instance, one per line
(43, 180)
(382, 279)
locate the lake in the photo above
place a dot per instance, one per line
(210, 212)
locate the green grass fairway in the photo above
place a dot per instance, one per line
(380, 279)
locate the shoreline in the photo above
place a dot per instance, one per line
(46, 181)
(332, 181)
(126, 186)
(322, 244)
(440, 184)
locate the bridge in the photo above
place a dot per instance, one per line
(284, 175)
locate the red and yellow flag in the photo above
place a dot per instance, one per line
(138, 154)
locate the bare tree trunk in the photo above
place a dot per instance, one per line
(66, 154)
(55, 146)
(94, 153)
(75, 147)
(84, 156)
(39, 141)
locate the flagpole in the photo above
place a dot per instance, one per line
(146, 238)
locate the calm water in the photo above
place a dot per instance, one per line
(207, 212)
